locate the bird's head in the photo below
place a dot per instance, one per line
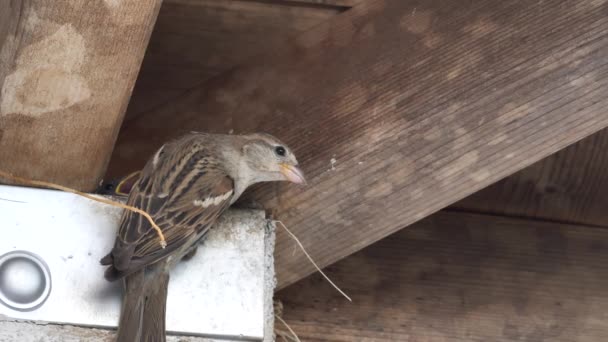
(269, 159)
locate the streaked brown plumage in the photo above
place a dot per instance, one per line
(185, 187)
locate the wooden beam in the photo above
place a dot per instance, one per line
(338, 3)
(462, 277)
(569, 186)
(397, 109)
(66, 74)
(205, 38)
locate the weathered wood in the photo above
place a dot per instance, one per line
(341, 3)
(399, 108)
(569, 186)
(66, 73)
(194, 40)
(460, 277)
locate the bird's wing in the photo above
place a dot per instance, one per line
(198, 196)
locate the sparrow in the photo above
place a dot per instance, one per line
(185, 186)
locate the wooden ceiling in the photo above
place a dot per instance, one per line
(396, 109)
(194, 40)
(470, 93)
(457, 277)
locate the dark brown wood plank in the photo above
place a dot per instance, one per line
(341, 3)
(398, 109)
(569, 186)
(461, 277)
(194, 40)
(66, 74)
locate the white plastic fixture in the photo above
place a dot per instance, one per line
(51, 243)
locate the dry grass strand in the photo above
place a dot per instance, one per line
(25, 181)
(312, 261)
(293, 337)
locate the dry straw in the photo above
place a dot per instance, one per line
(25, 181)
(312, 261)
(292, 336)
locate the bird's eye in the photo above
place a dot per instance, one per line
(280, 151)
(109, 187)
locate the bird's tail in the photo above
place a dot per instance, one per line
(142, 317)
(132, 311)
(155, 307)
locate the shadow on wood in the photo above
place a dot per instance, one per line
(462, 277)
(195, 40)
(569, 186)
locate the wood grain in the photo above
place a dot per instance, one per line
(569, 186)
(398, 109)
(340, 3)
(194, 40)
(461, 277)
(66, 74)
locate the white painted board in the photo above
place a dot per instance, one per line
(219, 293)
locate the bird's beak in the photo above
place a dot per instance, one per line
(293, 173)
